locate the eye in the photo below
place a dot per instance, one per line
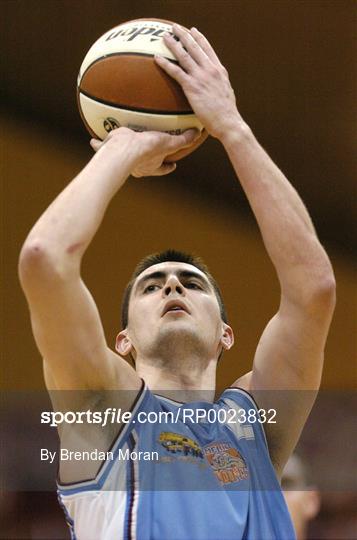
(151, 288)
(193, 285)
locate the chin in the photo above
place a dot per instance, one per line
(179, 338)
(182, 328)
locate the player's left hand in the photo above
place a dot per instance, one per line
(203, 79)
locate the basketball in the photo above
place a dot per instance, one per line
(119, 84)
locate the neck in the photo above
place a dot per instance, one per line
(182, 381)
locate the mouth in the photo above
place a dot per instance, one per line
(175, 307)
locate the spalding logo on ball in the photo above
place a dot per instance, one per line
(119, 84)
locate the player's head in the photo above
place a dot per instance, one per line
(151, 321)
(302, 499)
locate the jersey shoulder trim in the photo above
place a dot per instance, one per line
(243, 399)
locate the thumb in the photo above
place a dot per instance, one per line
(166, 168)
(184, 139)
(95, 144)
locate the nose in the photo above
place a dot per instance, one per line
(173, 285)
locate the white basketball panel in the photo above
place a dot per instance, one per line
(98, 115)
(136, 37)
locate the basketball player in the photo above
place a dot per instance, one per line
(303, 500)
(207, 481)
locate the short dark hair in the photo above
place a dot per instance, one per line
(170, 255)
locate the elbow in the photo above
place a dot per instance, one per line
(318, 283)
(315, 297)
(32, 252)
(35, 263)
(41, 264)
(323, 293)
(326, 284)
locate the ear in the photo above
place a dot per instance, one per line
(227, 339)
(123, 344)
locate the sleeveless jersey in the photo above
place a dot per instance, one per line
(210, 480)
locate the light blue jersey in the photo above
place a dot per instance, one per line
(207, 480)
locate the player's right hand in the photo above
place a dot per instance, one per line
(148, 149)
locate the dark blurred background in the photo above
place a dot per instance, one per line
(293, 67)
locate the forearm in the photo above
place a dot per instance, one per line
(288, 234)
(64, 231)
(58, 240)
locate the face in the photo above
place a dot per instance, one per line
(173, 308)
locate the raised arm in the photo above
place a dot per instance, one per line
(289, 358)
(65, 320)
(288, 362)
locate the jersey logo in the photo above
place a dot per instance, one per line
(177, 443)
(226, 462)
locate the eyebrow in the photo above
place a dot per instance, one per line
(181, 274)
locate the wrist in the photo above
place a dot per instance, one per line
(235, 132)
(120, 151)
